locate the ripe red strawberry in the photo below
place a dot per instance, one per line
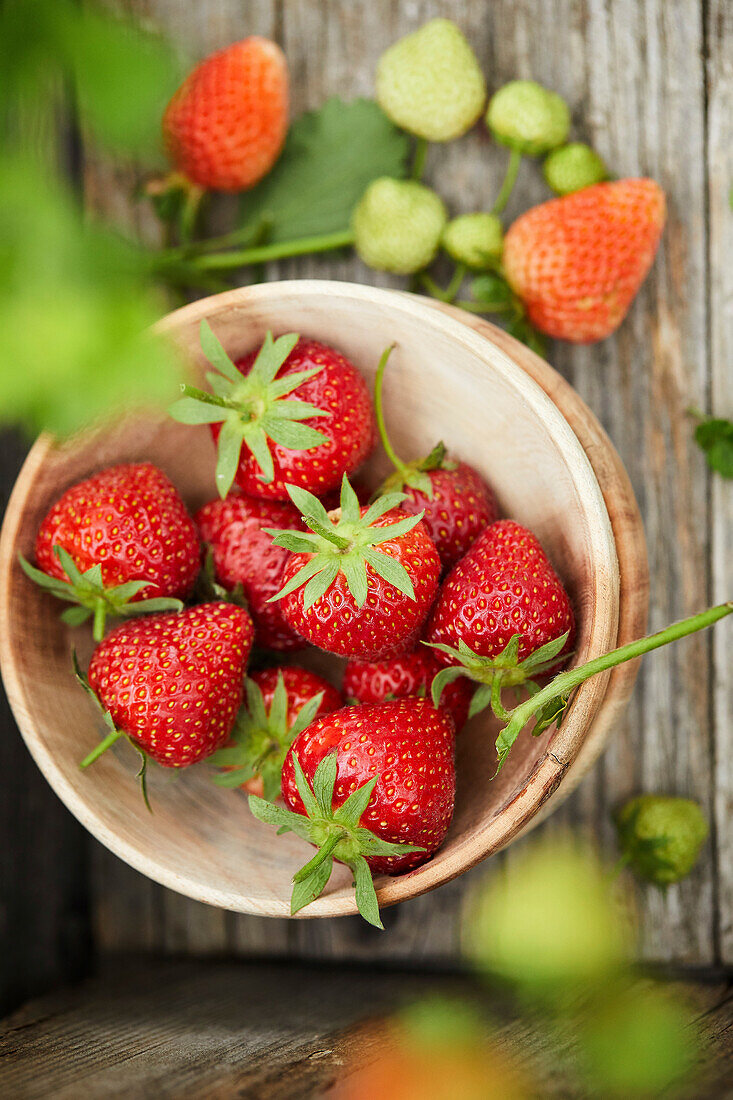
(361, 585)
(119, 543)
(244, 554)
(409, 674)
(577, 262)
(502, 611)
(296, 412)
(362, 783)
(280, 703)
(454, 499)
(225, 126)
(173, 683)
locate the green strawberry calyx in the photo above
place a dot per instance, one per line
(335, 832)
(252, 409)
(345, 545)
(547, 704)
(413, 474)
(260, 739)
(92, 597)
(112, 736)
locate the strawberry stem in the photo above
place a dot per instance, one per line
(102, 747)
(379, 413)
(565, 682)
(100, 618)
(418, 161)
(515, 159)
(448, 295)
(324, 852)
(223, 261)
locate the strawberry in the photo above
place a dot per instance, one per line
(573, 167)
(225, 126)
(119, 543)
(296, 412)
(370, 786)
(173, 683)
(361, 581)
(502, 615)
(244, 555)
(577, 261)
(280, 703)
(430, 82)
(398, 225)
(455, 502)
(408, 674)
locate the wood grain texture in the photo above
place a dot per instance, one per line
(634, 73)
(188, 1031)
(719, 38)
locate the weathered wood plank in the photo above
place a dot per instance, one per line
(270, 1033)
(720, 168)
(633, 74)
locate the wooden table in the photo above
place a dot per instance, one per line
(650, 84)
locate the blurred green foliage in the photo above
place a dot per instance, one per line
(75, 296)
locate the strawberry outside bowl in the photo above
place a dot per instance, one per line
(451, 377)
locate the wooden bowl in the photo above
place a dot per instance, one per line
(451, 377)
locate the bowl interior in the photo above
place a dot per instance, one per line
(444, 382)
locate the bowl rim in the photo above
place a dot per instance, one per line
(519, 810)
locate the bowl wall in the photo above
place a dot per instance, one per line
(445, 381)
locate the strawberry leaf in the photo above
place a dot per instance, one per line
(330, 157)
(715, 437)
(365, 894)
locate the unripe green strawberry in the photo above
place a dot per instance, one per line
(474, 240)
(661, 836)
(430, 82)
(573, 167)
(397, 225)
(528, 118)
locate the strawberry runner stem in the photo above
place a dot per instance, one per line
(279, 250)
(515, 159)
(109, 740)
(560, 688)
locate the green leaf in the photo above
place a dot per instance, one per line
(480, 700)
(366, 895)
(272, 355)
(384, 503)
(393, 572)
(306, 715)
(215, 353)
(546, 654)
(295, 541)
(308, 570)
(715, 437)
(349, 502)
(158, 604)
(189, 410)
(124, 77)
(351, 810)
(75, 616)
(354, 569)
(234, 778)
(442, 679)
(318, 585)
(289, 382)
(309, 506)
(394, 530)
(330, 157)
(272, 814)
(310, 888)
(304, 790)
(229, 445)
(291, 434)
(324, 781)
(279, 706)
